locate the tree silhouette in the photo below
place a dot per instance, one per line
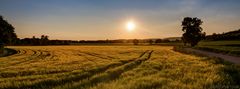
(231, 35)
(7, 34)
(1, 48)
(192, 31)
(135, 42)
(44, 40)
(158, 41)
(150, 41)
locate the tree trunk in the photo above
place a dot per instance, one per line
(193, 44)
(1, 49)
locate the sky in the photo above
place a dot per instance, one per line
(106, 19)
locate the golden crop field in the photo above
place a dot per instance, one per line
(112, 67)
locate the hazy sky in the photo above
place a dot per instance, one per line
(106, 19)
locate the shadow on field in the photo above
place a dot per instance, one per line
(229, 71)
(8, 52)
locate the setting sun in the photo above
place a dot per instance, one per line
(115, 44)
(130, 25)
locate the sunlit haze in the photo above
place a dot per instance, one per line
(107, 19)
(130, 26)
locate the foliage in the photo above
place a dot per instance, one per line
(42, 41)
(231, 35)
(135, 41)
(34, 41)
(7, 34)
(225, 47)
(1, 48)
(193, 32)
(150, 41)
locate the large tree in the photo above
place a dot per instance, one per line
(7, 34)
(192, 31)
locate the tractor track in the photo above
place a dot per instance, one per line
(113, 71)
(34, 56)
(99, 55)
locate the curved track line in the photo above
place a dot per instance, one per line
(112, 74)
(80, 76)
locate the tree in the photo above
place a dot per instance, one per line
(1, 48)
(135, 42)
(158, 41)
(192, 31)
(7, 34)
(150, 42)
(44, 40)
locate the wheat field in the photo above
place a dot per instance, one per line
(113, 67)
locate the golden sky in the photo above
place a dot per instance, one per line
(107, 19)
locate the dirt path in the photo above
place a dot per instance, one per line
(229, 58)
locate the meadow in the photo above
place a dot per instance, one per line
(113, 67)
(231, 47)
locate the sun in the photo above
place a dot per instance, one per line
(130, 26)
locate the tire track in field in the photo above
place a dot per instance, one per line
(96, 55)
(78, 76)
(89, 59)
(37, 56)
(18, 57)
(23, 54)
(99, 55)
(53, 72)
(21, 57)
(76, 53)
(20, 52)
(111, 74)
(34, 57)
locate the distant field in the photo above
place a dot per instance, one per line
(113, 67)
(226, 47)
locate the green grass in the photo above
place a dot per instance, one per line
(113, 67)
(226, 47)
(220, 43)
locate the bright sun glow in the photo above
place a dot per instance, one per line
(130, 25)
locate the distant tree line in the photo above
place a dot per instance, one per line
(231, 35)
(44, 40)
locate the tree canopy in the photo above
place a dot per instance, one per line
(192, 30)
(7, 34)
